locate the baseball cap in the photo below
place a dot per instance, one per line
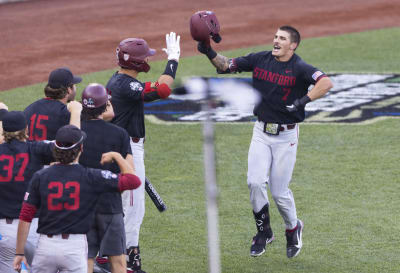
(68, 137)
(62, 77)
(14, 121)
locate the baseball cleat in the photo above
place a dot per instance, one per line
(130, 270)
(294, 240)
(259, 243)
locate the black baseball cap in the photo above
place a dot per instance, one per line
(68, 137)
(62, 77)
(14, 121)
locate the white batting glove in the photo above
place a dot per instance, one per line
(173, 49)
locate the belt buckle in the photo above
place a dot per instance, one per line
(272, 128)
(135, 139)
(9, 221)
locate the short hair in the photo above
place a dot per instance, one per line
(18, 135)
(56, 93)
(294, 34)
(92, 113)
(66, 156)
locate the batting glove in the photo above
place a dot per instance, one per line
(173, 49)
(298, 104)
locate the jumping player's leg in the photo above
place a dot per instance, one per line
(259, 162)
(134, 202)
(284, 154)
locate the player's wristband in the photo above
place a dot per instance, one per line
(211, 54)
(304, 100)
(19, 254)
(171, 68)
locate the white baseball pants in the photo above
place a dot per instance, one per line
(61, 255)
(133, 201)
(271, 161)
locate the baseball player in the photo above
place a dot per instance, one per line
(47, 115)
(65, 195)
(283, 79)
(107, 235)
(128, 96)
(3, 110)
(19, 159)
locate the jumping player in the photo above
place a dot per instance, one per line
(47, 115)
(19, 160)
(128, 95)
(65, 195)
(283, 79)
(107, 235)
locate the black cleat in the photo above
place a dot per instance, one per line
(294, 240)
(259, 243)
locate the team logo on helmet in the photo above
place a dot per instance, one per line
(88, 103)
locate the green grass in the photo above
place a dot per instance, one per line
(346, 180)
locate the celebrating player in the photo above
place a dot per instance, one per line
(65, 195)
(19, 159)
(128, 96)
(107, 235)
(283, 79)
(46, 116)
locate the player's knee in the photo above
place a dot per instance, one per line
(254, 183)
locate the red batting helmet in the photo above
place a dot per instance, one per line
(132, 54)
(94, 96)
(204, 24)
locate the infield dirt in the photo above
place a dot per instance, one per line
(40, 35)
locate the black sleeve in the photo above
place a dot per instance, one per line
(32, 195)
(310, 73)
(2, 113)
(102, 180)
(45, 151)
(244, 63)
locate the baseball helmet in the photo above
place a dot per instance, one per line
(204, 24)
(94, 96)
(132, 54)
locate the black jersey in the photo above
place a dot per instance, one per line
(18, 162)
(279, 83)
(103, 137)
(45, 117)
(127, 101)
(66, 195)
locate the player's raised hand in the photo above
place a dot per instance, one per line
(3, 106)
(173, 49)
(109, 157)
(74, 106)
